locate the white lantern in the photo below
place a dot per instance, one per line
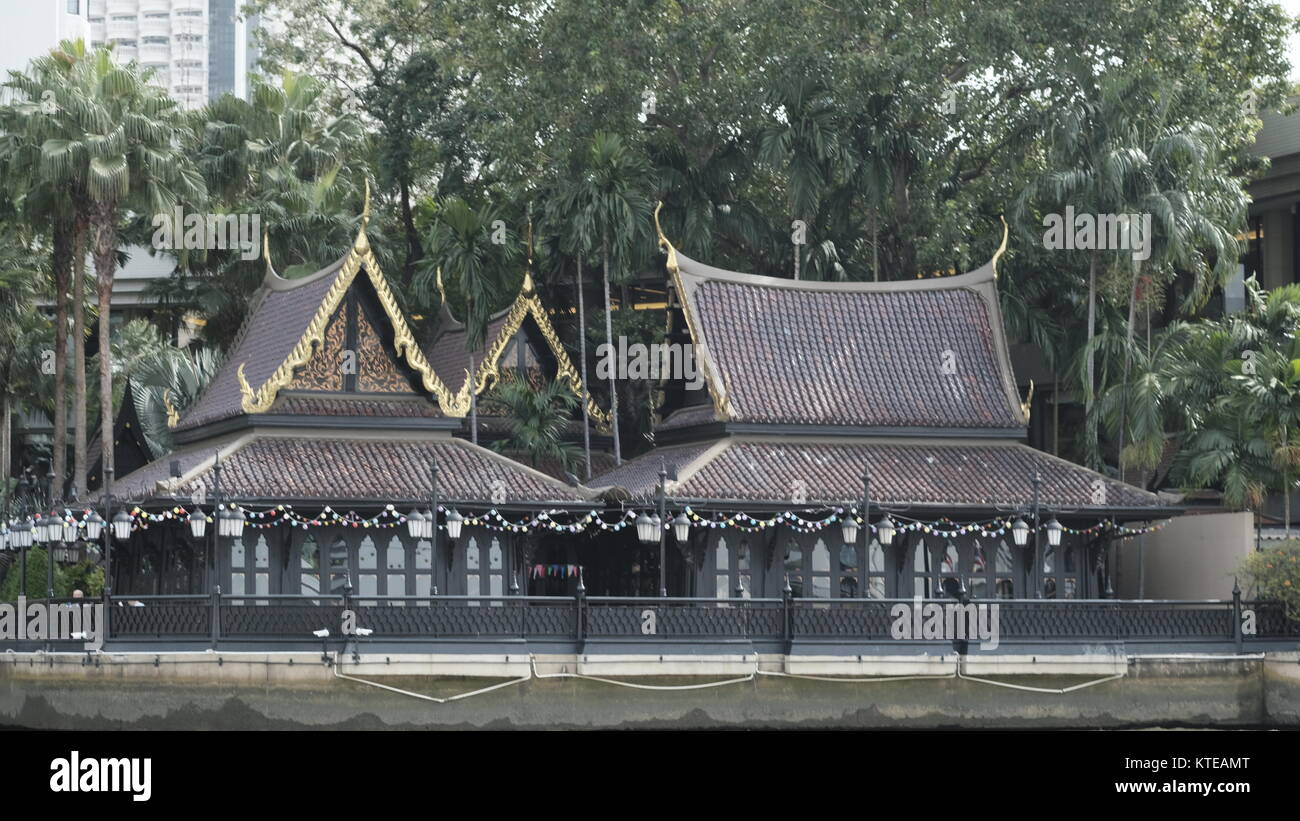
(849, 528)
(1020, 532)
(645, 529)
(122, 526)
(455, 522)
(415, 524)
(237, 520)
(1054, 532)
(94, 526)
(198, 523)
(682, 527)
(22, 534)
(429, 524)
(70, 529)
(4, 537)
(885, 530)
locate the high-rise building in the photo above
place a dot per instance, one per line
(33, 27)
(198, 49)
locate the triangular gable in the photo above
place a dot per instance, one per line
(529, 305)
(359, 258)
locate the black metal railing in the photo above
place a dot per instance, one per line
(215, 618)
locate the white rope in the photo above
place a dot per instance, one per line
(1049, 690)
(871, 680)
(422, 696)
(634, 686)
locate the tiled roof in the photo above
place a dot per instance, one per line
(946, 473)
(277, 319)
(303, 404)
(350, 469)
(919, 353)
(448, 355)
(688, 417)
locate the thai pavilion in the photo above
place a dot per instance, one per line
(850, 439)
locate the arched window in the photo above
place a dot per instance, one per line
(396, 563)
(473, 579)
(367, 565)
(309, 566)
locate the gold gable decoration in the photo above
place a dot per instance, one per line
(361, 255)
(489, 370)
(720, 405)
(259, 400)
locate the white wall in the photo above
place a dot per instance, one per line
(1193, 557)
(33, 27)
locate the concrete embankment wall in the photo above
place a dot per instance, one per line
(266, 691)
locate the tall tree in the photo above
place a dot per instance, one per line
(609, 209)
(124, 138)
(462, 244)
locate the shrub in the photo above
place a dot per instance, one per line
(1275, 575)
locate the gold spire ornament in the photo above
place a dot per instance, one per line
(664, 244)
(1029, 400)
(1002, 249)
(173, 416)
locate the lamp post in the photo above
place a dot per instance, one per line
(228, 523)
(849, 528)
(107, 533)
(53, 534)
(1038, 562)
(650, 528)
(425, 525)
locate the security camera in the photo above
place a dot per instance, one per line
(321, 633)
(364, 631)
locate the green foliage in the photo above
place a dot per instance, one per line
(1274, 575)
(538, 414)
(87, 577)
(1225, 393)
(37, 570)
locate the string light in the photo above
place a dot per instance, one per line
(805, 521)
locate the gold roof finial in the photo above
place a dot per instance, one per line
(1029, 401)
(1002, 249)
(362, 245)
(442, 291)
(664, 244)
(173, 416)
(266, 252)
(530, 235)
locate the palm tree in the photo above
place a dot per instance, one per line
(1226, 393)
(167, 379)
(284, 156)
(537, 416)
(125, 139)
(55, 197)
(1115, 151)
(22, 335)
(608, 207)
(807, 145)
(460, 242)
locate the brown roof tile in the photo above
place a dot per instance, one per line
(927, 353)
(370, 469)
(277, 320)
(921, 473)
